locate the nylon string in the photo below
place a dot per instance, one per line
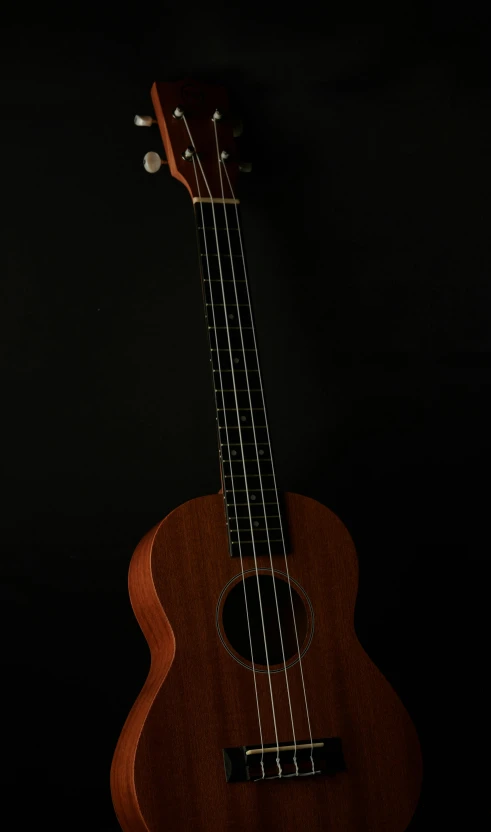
(221, 164)
(241, 445)
(276, 492)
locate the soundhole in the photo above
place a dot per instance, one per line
(234, 619)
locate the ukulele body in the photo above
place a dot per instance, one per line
(168, 770)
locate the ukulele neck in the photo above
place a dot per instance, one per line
(252, 503)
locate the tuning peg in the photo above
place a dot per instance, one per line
(144, 121)
(238, 128)
(152, 162)
(245, 167)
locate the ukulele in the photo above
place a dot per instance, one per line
(261, 710)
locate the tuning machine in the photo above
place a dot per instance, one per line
(152, 162)
(144, 121)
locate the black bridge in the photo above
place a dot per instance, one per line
(243, 763)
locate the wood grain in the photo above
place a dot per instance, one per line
(167, 771)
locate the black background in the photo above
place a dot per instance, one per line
(366, 220)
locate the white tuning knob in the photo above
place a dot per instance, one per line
(144, 121)
(152, 162)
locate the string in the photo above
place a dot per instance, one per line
(230, 456)
(221, 164)
(281, 526)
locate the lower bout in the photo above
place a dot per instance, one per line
(181, 785)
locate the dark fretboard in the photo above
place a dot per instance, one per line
(252, 504)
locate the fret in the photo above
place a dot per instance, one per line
(239, 509)
(247, 533)
(273, 547)
(251, 459)
(215, 199)
(253, 492)
(261, 540)
(257, 496)
(253, 528)
(241, 524)
(259, 521)
(247, 537)
(245, 415)
(220, 254)
(238, 483)
(230, 420)
(251, 477)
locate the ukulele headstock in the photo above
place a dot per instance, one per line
(197, 130)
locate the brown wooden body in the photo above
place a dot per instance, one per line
(167, 773)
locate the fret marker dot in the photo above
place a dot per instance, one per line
(234, 453)
(243, 418)
(261, 453)
(231, 316)
(255, 523)
(253, 496)
(236, 360)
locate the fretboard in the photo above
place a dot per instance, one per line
(253, 506)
